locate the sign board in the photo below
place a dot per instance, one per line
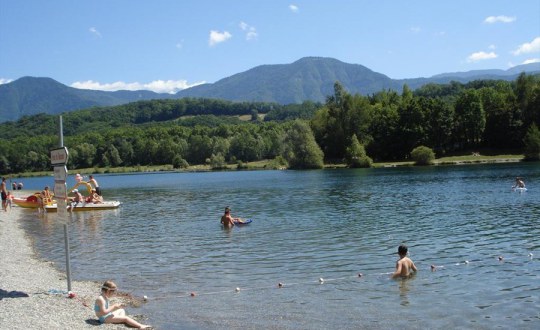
(60, 173)
(59, 156)
(60, 190)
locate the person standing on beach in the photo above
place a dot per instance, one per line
(3, 192)
(113, 313)
(404, 266)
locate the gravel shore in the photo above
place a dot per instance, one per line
(33, 293)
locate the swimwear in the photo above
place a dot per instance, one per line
(103, 317)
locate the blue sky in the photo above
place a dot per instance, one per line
(168, 45)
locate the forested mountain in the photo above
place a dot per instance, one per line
(30, 96)
(483, 115)
(308, 79)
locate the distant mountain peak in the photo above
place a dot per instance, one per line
(310, 78)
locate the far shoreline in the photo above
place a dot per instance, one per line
(265, 165)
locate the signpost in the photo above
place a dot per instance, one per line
(59, 159)
(59, 156)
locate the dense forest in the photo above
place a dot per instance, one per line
(385, 126)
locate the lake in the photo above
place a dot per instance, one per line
(166, 242)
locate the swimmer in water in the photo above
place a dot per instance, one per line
(404, 266)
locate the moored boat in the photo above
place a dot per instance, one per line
(106, 205)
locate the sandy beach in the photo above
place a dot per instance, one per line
(33, 293)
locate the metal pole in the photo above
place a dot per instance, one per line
(62, 214)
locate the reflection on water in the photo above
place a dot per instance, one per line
(166, 242)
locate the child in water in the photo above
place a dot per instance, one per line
(114, 313)
(404, 266)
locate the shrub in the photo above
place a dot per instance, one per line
(423, 155)
(217, 162)
(179, 162)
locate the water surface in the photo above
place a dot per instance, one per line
(166, 242)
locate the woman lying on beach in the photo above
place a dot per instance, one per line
(115, 313)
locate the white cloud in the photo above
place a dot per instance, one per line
(531, 60)
(158, 86)
(531, 47)
(5, 81)
(217, 37)
(294, 8)
(415, 29)
(251, 32)
(492, 47)
(95, 32)
(499, 19)
(480, 56)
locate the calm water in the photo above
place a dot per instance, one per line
(166, 242)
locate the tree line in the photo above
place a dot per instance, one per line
(356, 129)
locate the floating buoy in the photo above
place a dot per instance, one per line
(237, 290)
(145, 298)
(321, 280)
(530, 255)
(280, 285)
(360, 275)
(467, 262)
(501, 258)
(433, 268)
(193, 294)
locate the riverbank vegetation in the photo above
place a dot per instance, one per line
(347, 130)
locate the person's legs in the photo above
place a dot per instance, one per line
(119, 316)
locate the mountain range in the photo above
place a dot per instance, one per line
(310, 78)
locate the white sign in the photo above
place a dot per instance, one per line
(60, 173)
(60, 190)
(59, 156)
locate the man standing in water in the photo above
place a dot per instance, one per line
(404, 266)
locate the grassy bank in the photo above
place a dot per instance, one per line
(267, 165)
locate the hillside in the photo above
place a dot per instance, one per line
(30, 96)
(310, 78)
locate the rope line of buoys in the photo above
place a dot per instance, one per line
(280, 285)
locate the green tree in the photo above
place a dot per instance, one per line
(412, 124)
(384, 131)
(356, 154)
(84, 155)
(532, 143)
(470, 118)
(301, 150)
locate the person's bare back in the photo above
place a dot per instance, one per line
(404, 266)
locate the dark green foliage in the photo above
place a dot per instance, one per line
(532, 143)
(198, 131)
(422, 155)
